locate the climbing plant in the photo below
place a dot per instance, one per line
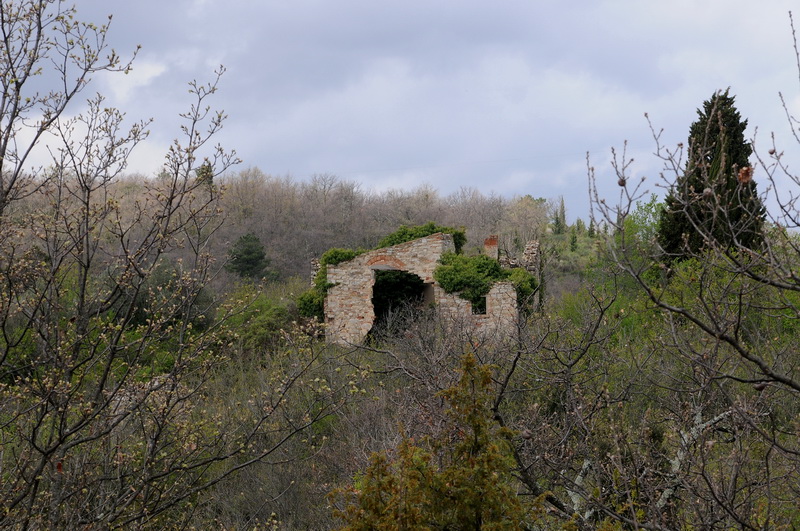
(406, 234)
(473, 276)
(312, 302)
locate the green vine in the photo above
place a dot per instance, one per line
(471, 277)
(311, 303)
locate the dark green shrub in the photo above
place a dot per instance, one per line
(473, 276)
(247, 257)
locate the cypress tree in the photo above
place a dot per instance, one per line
(714, 203)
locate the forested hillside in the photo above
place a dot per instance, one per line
(155, 372)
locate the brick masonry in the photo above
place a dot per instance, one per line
(349, 314)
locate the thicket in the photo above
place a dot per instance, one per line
(142, 386)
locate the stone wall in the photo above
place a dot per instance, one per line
(349, 314)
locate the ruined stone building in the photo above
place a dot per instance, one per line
(349, 311)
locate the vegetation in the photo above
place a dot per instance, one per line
(473, 276)
(247, 258)
(311, 303)
(406, 234)
(144, 385)
(462, 480)
(714, 201)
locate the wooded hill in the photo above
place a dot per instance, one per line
(155, 374)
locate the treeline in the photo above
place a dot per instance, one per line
(297, 220)
(154, 372)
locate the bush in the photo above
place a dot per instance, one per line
(258, 326)
(406, 234)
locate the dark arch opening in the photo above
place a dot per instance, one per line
(395, 295)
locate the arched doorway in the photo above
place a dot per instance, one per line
(396, 295)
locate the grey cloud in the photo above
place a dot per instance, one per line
(501, 96)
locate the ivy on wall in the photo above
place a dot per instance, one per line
(470, 276)
(473, 276)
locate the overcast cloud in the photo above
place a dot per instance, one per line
(505, 96)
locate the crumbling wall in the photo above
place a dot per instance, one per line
(349, 314)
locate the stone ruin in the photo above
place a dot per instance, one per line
(349, 312)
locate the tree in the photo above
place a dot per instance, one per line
(714, 201)
(462, 480)
(107, 411)
(719, 317)
(573, 239)
(38, 34)
(560, 218)
(247, 258)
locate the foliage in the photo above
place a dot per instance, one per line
(407, 234)
(261, 320)
(337, 256)
(473, 276)
(714, 202)
(705, 327)
(247, 257)
(112, 363)
(525, 285)
(469, 276)
(461, 480)
(311, 303)
(560, 218)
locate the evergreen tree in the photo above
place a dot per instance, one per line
(461, 480)
(205, 175)
(560, 219)
(714, 203)
(247, 257)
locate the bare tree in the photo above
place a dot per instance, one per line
(113, 362)
(726, 314)
(42, 41)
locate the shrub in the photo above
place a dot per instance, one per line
(472, 278)
(406, 234)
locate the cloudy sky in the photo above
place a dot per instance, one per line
(505, 96)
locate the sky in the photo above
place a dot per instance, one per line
(506, 97)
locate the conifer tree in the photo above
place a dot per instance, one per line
(714, 203)
(461, 480)
(560, 218)
(247, 257)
